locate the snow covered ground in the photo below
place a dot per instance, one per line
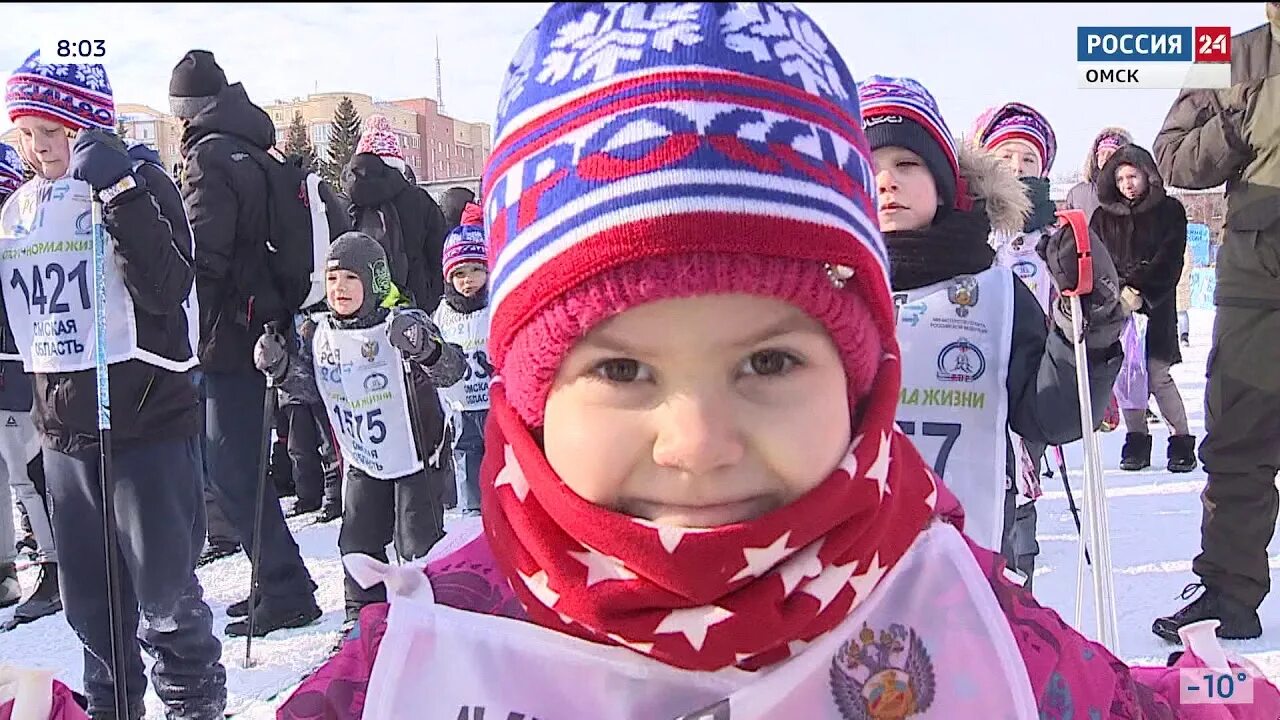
(1155, 521)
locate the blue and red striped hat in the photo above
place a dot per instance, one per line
(78, 96)
(897, 99)
(629, 132)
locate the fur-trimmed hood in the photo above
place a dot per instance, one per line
(1090, 168)
(1109, 194)
(1001, 194)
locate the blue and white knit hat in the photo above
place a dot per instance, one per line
(78, 96)
(10, 169)
(632, 131)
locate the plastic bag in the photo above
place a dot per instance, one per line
(1132, 389)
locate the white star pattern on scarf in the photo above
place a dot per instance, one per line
(864, 582)
(601, 567)
(879, 470)
(512, 475)
(537, 584)
(642, 648)
(693, 623)
(795, 647)
(760, 560)
(850, 462)
(826, 586)
(804, 564)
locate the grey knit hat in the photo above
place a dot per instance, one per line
(362, 255)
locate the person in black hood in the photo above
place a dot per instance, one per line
(398, 214)
(226, 196)
(453, 203)
(1146, 232)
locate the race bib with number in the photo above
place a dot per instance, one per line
(1018, 253)
(471, 333)
(46, 274)
(361, 382)
(955, 338)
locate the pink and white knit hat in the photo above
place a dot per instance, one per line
(378, 138)
(698, 162)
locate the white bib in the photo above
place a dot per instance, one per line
(471, 333)
(46, 270)
(931, 637)
(1018, 253)
(955, 338)
(362, 385)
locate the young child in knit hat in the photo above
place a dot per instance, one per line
(980, 360)
(696, 500)
(1022, 139)
(463, 319)
(65, 115)
(361, 360)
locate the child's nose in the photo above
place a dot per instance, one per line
(697, 435)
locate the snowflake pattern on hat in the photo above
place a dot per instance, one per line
(378, 138)
(11, 166)
(78, 96)
(615, 113)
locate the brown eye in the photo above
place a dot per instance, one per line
(771, 362)
(620, 370)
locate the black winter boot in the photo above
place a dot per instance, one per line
(1238, 621)
(1182, 453)
(45, 600)
(1136, 453)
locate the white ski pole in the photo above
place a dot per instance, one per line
(1099, 536)
(115, 612)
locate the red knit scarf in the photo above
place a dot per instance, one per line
(746, 595)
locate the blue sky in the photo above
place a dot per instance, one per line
(970, 55)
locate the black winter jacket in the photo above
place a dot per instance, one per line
(415, 248)
(152, 241)
(1147, 241)
(226, 196)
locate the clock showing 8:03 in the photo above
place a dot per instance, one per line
(64, 50)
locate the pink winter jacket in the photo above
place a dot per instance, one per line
(62, 707)
(1071, 676)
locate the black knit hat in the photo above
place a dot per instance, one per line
(899, 131)
(196, 80)
(362, 255)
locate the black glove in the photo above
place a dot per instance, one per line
(412, 333)
(99, 158)
(271, 354)
(1104, 314)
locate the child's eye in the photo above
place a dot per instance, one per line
(621, 370)
(770, 362)
(907, 163)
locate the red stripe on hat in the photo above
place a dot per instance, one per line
(677, 234)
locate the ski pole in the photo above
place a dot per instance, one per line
(1094, 491)
(264, 451)
(115, 611)
(1071, 500)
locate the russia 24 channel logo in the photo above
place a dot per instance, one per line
(1153, 58)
